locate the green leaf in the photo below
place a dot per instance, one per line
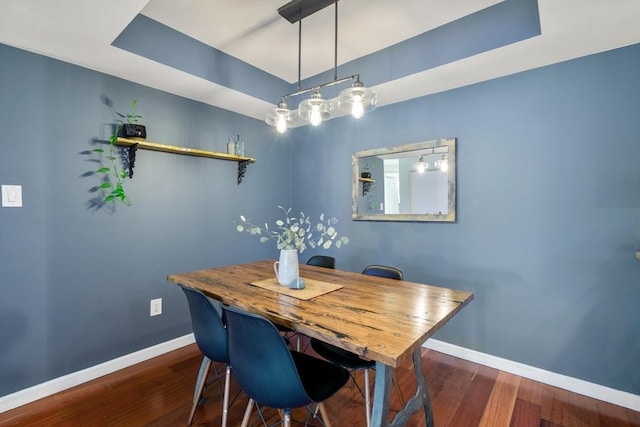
(105, 185)
(98, 150)
(108, 198)
(103, 170)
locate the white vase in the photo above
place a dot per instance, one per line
(286, 268)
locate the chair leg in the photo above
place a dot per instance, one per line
(367, 398)
(247, 413)
(200, 382)
(287, 418)
(325, 417)
(225, 399)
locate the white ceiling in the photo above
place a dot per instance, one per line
(81, 32)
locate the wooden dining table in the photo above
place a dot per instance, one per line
(377, 318)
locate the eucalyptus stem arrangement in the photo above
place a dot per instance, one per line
(296, 232)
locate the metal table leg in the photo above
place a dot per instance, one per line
(382, 396)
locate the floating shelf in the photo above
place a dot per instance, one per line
(148, 145)
(366, 184)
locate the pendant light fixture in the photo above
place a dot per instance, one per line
(421, 165)
(280, 117)
(443, 164)
(315, 109)
(356, 100)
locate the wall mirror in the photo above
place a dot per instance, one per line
(413, 182)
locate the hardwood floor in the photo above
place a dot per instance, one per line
(158, 392)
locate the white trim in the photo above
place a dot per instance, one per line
(616, 397)
(73, 379)
(575, 385)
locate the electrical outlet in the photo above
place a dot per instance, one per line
(155, 307)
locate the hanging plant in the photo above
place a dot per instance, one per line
(114, 172)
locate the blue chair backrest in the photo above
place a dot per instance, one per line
(208, 328)
(262, 363)
(322, 261)
(383, 271)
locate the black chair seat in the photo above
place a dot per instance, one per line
(340, 356)
(320, 378)
(322, 261)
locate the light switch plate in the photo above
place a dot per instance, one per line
(12, 196)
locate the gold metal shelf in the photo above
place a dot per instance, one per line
(366, 184)
(148, 145)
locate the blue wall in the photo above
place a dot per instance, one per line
(75, 282)
(548, 213)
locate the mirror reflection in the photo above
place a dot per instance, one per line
(413, 182)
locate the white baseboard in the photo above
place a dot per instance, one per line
(65, 382)
(585, 388)
(616, 397)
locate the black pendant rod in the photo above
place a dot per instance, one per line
(335, 49)
(299, 51)
(299, 90)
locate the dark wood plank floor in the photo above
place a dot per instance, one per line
(158, 392)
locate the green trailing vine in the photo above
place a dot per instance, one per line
(114, 172)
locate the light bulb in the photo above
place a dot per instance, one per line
(280, 117)
(357, 110)
(316, 117)
(443, 164)
(421, 165)
(357, 100)
(281, 125)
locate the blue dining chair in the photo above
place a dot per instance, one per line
(322, 261)
(271, 374)
(352, 361)
(211, 337)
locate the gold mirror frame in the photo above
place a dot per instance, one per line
(363, 184)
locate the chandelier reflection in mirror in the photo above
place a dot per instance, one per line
(356, 100)
(442, 165)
